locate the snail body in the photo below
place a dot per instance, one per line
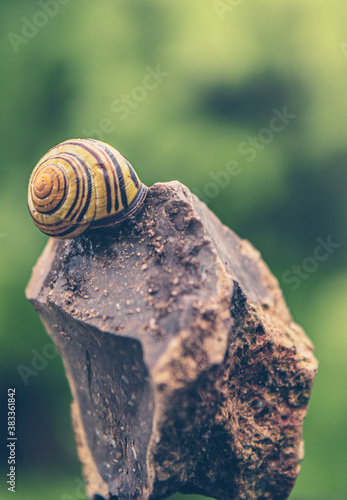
(82, 184)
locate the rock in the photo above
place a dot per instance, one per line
(186, 369)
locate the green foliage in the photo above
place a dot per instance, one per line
(228, 68)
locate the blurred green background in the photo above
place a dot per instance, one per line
(224, 70)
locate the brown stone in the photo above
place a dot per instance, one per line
(186, 369)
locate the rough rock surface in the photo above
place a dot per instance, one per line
(186, 369)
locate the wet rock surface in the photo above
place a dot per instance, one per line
(186, 369)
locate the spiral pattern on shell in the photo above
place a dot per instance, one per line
(81, 184)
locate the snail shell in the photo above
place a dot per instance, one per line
(82, 184)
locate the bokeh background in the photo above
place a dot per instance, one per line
(224, 70)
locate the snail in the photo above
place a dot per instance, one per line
(82, 184)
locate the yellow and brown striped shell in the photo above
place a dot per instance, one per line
(81, 184)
